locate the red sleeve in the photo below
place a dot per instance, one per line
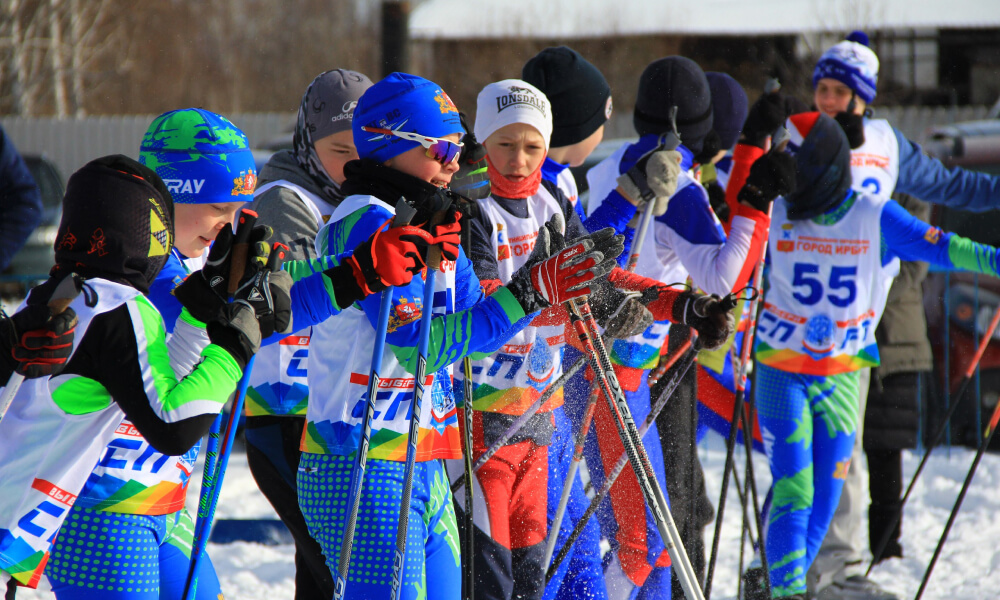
(761, 226)
(743, 157)
(627, 280)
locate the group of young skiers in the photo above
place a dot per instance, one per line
(421, 296)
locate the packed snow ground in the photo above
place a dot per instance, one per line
(967, 569)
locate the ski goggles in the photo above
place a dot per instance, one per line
(443, 151)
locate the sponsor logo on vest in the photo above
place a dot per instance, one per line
(126, 428)
(53, 491)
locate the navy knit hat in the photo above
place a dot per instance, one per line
(402, 102)
(579, 93)
(729, 107)
(674, 81)
(201, 156)
(822, 165)
(852, 63)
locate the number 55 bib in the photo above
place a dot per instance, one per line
(827, 288)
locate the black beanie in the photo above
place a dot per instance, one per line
(579, 93)
(729, 107)
(117, 223)
(674, 81)
(822, 165)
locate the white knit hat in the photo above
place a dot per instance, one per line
(512, 101)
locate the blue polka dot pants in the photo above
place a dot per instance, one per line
(119, 556)
(432, 568)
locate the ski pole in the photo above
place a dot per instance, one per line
(469, 576)
(521, 420)
(779, 140)
(957, 398)
(62, 297)
(574, 466)
(623, 462)
(583, 322)
(217, 459)
(404, 213)
(423, 343)
(987, 437)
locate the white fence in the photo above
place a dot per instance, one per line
(70, 143)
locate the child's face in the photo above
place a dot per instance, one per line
(334, 151)
(415, 162)
(196, 225)
(516, 150)
(832, 97)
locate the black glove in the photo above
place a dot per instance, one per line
(203, 293)
(267, 290)
(471, 181)
(770, 176)
(620, 314)
(766, 114)
(237, 331)
(854, 126)
(710, 316)
(36, 343)
(717, 198)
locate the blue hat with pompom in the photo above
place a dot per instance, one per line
(852, 63)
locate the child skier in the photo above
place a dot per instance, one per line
(407, 130)
(581, 105)
(188, 145)
(116, 231)
(684, 240)
(833, 254)
(297, 191)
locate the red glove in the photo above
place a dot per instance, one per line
(567, 274)
(389, 257)
(448, 236)
(43, 343)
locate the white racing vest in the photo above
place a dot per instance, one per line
(47, 454)
(827, 290)
(875, 164)
(132, 477)
(656, 260)
(343, 346)
(510, 380)
(279, 381)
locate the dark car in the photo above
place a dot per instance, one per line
(960, 305)
(33, 261)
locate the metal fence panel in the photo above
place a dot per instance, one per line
(70, 143)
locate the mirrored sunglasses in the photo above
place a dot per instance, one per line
(443, 151)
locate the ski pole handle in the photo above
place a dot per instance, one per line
(241, 246)
(64, 294)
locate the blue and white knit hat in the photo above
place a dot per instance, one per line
(402, 102)
(852, 63)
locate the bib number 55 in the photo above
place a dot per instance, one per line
(840, 290)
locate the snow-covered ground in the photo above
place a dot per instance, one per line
(967, 569)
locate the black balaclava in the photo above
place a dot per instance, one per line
(822, 165)
(117, 223)
(674, 81)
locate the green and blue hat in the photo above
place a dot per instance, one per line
(201, 157)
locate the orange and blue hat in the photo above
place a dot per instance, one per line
(201, 157)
